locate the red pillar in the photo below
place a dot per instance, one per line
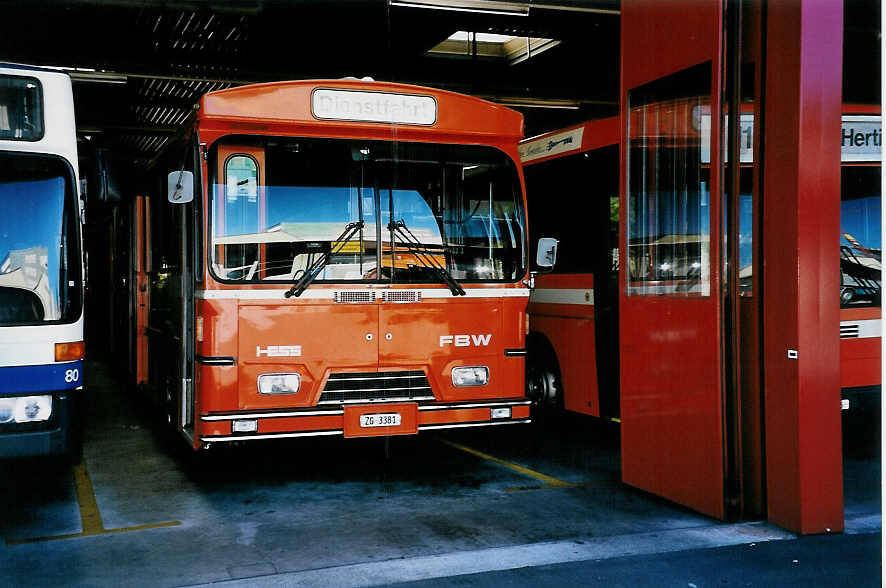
(801, 226)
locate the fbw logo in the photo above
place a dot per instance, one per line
(465, 340)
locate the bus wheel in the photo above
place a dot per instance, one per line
(542, 383)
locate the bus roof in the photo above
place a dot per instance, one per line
(58, 135)
(359, 104)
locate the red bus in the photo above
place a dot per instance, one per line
(334, 257)
(573, 340)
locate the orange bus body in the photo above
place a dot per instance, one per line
(357, 337)
(562, 306)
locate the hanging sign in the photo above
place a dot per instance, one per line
(551, 145)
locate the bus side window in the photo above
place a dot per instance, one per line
(240, 216)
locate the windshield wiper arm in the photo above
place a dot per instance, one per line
(312, 272)
(416, 248)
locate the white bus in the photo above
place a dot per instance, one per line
(41, 266)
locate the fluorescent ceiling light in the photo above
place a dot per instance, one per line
(506, 47)
(98, 77)
(555, 103)
(481, 37)
(482, 6)
(86, 74)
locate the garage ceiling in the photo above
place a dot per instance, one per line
(139, 66)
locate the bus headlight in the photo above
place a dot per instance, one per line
(470, 376)
(278, 383)
(7, 408)
(25, 409)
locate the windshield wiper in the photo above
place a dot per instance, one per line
(417, 249)
(312, 272)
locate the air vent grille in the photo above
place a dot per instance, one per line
(354, 297)
(401, 296)
(848, 331)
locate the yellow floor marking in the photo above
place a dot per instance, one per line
(548, 480)
(569, 485)
(90, 516)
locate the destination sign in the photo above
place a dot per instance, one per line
(861, 138)
(382, 107)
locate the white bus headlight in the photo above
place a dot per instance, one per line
(470, 376)
(31, 409)
(7, 408)
(278, 383)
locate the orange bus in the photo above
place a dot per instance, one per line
(573, 349)
(335, 257)
(573, 340)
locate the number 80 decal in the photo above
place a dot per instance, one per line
(72, 375)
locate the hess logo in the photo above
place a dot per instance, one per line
(278, 351)
(465, 340)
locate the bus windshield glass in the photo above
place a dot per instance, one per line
(279, 205)
(39, 271)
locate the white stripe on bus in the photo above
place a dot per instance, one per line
(563, 296)
(866, 328)
(328, 294)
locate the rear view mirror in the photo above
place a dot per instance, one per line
(180, 187)
(546, 256)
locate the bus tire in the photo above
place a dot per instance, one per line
(543, 385)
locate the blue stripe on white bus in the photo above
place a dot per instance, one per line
(40, 378)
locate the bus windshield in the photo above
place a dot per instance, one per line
(39, 271)
(282, 203)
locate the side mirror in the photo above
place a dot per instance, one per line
(180, 187)
(546, 256)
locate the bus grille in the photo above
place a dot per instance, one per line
(849, 331)
(354, 296)
(401, 296)
(353, 387)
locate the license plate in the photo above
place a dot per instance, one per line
(384, 419)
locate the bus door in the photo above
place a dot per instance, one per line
(169, 231)
(138, 281)
(670, 274)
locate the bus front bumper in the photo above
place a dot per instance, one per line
(361, 420)
(61, 434)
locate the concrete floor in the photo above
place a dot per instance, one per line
(466, 507)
